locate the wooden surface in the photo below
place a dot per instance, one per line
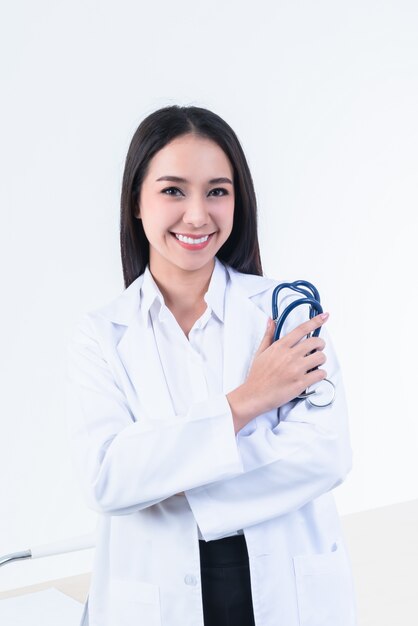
(74, 586)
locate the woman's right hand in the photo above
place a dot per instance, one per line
(279, 371)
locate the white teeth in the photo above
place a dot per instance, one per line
(191, 240)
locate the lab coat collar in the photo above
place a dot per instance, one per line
(214, 296)
(243, 318)
(125, 307)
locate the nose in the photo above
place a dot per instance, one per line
(196, 213)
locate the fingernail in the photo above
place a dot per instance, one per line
(324, 316)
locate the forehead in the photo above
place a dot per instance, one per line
(191, 156)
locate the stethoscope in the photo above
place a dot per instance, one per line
(323, 393)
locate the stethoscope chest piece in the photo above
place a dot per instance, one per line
(320, 394)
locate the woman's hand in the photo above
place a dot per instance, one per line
(279, 371)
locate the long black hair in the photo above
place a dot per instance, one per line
(241, 249)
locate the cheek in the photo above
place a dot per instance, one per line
(153, 218)
(230, 216)
(225, 212)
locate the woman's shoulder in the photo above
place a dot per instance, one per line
(251, 284)
(259, 289)
(119, 310)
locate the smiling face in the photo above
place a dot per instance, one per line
(200, 204)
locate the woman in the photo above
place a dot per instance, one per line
(212, 510)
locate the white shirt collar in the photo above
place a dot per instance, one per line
(214, 297)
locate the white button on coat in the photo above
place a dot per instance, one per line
(133, 453)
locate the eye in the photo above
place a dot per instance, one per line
(225, 192)
(169, 189)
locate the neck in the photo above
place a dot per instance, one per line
(182, 290)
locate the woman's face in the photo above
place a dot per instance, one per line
(201, 204)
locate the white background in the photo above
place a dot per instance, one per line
(323, 96)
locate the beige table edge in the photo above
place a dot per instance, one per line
(74, 586)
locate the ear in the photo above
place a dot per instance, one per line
(138, 213)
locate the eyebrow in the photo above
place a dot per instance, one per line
(178, 179)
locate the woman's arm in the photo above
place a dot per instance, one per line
(125, 465)
(285, 466)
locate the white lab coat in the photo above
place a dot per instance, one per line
(133, 454)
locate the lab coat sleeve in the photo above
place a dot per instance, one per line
(125, 465)
(286, 464)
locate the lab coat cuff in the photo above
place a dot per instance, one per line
(225, 449)
(205, 513)
(226, 453)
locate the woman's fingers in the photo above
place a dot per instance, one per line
(309, 345)
(267, 338)
(293, 338)
(314, 360)
(314, 377)
(295, 335)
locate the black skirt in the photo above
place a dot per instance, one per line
(226, 585)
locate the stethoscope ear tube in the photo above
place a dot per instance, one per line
(315, 309)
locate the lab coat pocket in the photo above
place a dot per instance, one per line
(133, 603)
(323, 588)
